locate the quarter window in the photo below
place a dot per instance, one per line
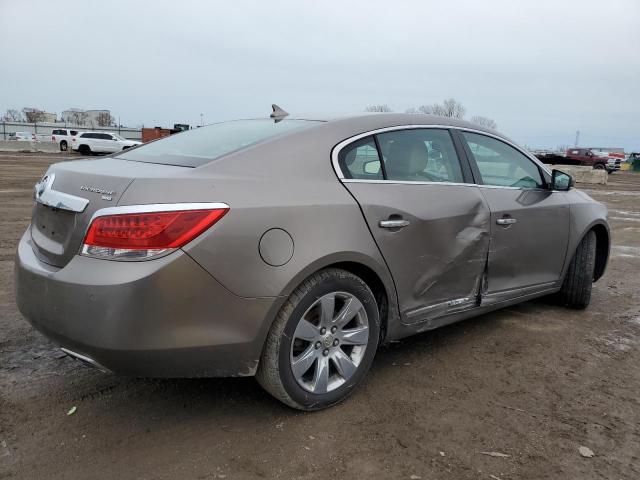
(420, 155)
(502, 165)
(360, 160)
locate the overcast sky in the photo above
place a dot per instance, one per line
(541, 69)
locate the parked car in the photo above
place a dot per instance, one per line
(291, 249)
(24, 136)
(101, 142)
(63, 137)
(598, 160)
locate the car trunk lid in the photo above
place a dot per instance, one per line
(68, 196)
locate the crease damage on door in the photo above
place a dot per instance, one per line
(465, 264)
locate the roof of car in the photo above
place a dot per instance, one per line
(370, 121)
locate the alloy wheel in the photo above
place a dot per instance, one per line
(329, 342)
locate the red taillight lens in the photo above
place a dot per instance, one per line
(148, 234)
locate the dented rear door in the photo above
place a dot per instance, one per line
(438, 259)
(429, 220)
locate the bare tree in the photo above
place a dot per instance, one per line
(411, 110)
(79, 117)
(33, 115)
(449, 108)
(378, 108)
(13, 116)
(105, 119)
(484, 122)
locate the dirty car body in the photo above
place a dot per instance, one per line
(441, 219)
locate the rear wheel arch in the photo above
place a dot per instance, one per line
(360, 265)
(375, 283)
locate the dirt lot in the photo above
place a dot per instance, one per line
(534, 382)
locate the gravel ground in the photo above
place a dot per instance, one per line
(534, 382)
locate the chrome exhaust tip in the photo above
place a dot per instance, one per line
(84, 359)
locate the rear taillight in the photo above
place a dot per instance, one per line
(141, 235)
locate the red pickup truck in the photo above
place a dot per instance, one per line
(586, 156)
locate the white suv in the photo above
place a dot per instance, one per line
(101, 142)
(63, 136)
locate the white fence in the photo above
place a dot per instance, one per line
(43, 130)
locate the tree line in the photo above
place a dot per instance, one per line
(35, 115)
(448, 108)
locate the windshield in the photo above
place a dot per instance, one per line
(202, 145)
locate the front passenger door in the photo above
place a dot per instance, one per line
(529, 222)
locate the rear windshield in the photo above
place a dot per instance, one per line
(202, 145)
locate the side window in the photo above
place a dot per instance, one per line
(501, 164)
(420, 155)
(360, 160)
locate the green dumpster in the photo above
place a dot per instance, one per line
(634, 158)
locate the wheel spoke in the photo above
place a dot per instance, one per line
(350, 309)
(327, 304)
(305, 331)
(355, 336)
(344, 364)
(303, 362)
(321, 376)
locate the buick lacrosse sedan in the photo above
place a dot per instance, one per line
(290, 249)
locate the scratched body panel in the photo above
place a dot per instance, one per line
(438, 260)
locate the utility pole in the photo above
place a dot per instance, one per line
(201, 120)
(577, 137)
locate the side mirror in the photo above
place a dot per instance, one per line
(372, 167)
(561, 181)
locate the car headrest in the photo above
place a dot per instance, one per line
(407, 157)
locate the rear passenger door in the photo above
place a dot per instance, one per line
(529, 222)
(428, 219)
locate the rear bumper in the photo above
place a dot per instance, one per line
(161, 318)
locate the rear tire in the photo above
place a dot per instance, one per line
(63, 146)
(85, 150)
(322, 341)
(576, 289)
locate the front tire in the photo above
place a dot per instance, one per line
(63, 146)
(576, 289)
(599, 166)
(322, 342)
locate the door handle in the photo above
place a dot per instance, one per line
(393, 223)
(506, 221)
